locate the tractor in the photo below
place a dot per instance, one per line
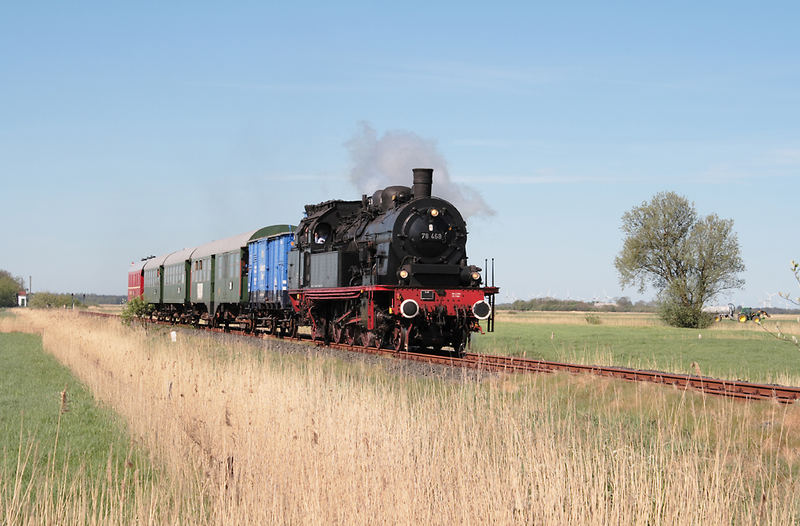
(748, 313)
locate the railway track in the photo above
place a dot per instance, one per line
(713, 386)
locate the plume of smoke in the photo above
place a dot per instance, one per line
(387, 160)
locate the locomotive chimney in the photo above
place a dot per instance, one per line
(423, 179)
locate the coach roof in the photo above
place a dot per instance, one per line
(223, 245)
(155, 262)
(272, 230)
(180, 256)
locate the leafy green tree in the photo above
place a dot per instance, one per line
(137, 310)
(689, 260)
(9, 287)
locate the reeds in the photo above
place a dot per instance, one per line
(250, 436)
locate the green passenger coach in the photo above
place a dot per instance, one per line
(176, 287)
(216, 272)
(211, 282)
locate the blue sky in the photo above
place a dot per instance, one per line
(129, 130)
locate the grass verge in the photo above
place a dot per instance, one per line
(63, 458)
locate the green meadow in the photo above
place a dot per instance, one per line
(54, 437)
(725, 350)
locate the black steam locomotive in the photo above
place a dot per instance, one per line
(390, 269)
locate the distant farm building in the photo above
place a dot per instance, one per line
(22, 298)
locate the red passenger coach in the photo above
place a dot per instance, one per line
(136, 280)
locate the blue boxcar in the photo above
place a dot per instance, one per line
(268, 267)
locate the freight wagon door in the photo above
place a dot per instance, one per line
(284, 245)
(279, 254)
(272, 280)
(252, 270)
(258, 270)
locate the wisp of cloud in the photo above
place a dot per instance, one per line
(387, 160)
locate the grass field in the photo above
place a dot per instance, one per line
(59, 450)
(727, 349)
(252, 436)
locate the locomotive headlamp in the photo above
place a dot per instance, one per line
(409, 308)
(476, 276)
(403, 274)
(434, 212)
(481, 309)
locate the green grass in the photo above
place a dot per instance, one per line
(85, 438)
(749, 355)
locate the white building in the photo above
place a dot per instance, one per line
(22, 298)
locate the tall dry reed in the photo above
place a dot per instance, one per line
(257, 438)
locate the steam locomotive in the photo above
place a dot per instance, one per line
(389, 270)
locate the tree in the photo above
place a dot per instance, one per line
(689, 260)
(778, 333)
(624, 304)
(9, 287)
(137, 309)
(795, 268)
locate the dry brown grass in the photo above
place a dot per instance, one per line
(302, 440)
(613, 319)
(106, 308)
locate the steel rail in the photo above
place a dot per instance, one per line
(714, 386)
